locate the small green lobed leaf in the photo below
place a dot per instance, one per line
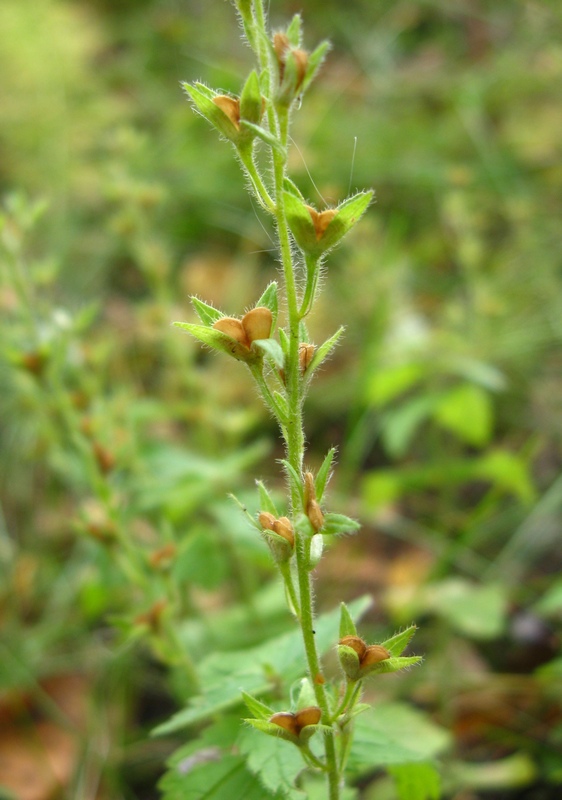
(271, 729)
(202, 98)
(294, 31)
(398, 643)
(272, 350)
(256, 707)
(266, 501)
(315, 61)
(324, 350)
(323, 475)
(264, 135)
(392, 664)
(348, 214)
(251, 99)
(347, 625)
(270, 300)
(338, 524)
(206, 313)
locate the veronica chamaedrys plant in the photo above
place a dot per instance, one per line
(282, 361)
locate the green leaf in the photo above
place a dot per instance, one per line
(266, 501)
(264, 135)
(282, 404)
(477, 611)
(416, 781)
(390, 382)
(392, 664)
(290, 186)
(276, 763)
(225, 675)
(206, 313)
(223, 778)
(256, 707)
(347, 625)
(315, 61)
(394, 733)
(323, 475)
(398, 643)
(348, 214)
(401, 424)
(294, 478)
(272, 350)
(251, 106)
(322, 352)
(220, 341)
(467, 412)
(270, 300)
(339, 524)
(294, 31)
(202, 99)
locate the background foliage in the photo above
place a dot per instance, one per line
(119, 439)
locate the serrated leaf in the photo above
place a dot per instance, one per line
(256, 707)
(277, 764)
(394, 733)
(416, 781)
(224, 675)
(347, 625)
(224, 779)
(206, 313)
(323, 475)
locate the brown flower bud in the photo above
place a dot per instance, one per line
(230, 106)
(315, 515)
(281, 44)
(266, 520)
(287, 721)
(283, 527)
(301, 60)
(233, 328)
(306, 352)
(321, 219)
(309, 488)
(257, 323)
(356, 643)
(152, 617)
(308, 716)
(374, 654)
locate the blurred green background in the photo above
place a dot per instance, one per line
(120, 438)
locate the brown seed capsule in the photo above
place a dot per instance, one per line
(152, 617)
(266, 520)
(306, 352)
(374, 654)
(319, 679)
(283, 527)
(308, 716)
(230, 106)
(257, 323)
(309, 488)
(287, 721)
(315, 515)
(356, 643)
(281, 44)
(233, 328)
(301, 60)
(321, 219)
